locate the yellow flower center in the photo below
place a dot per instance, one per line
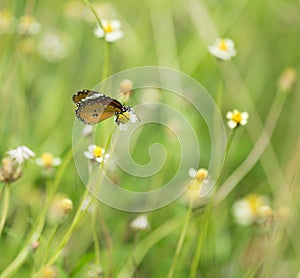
(237, 117)
(66, 205)
(47, 159)
(254, 201)
(49, 272)
(5, 15)
(108, 28)
(6, 161)
(201, 175)
(27, 20)
(222, 45)
(98, 151)
(124, 117)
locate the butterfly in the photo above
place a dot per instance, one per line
(94, 107)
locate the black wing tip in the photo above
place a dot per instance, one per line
(81, 92)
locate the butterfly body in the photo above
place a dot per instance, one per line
(94, 107)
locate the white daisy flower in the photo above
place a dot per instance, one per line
(111, 30)
(140, 223)
(253, 208)
(47, 160)
(237, 118)
(200, 174)
(28, 25)
(128, 116)
(199, 177)
(96, 153)
(21, 154)
(54, 47)
(223, 49)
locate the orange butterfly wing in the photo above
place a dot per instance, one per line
(96, 109)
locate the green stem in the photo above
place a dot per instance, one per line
(52, 235)
(202, 235)
(88, 3)
(134, 261)
(5, 206)
(108, 140)
(144, 246)
(259, 147)
(1, 190)
(95, 235)
(79, 213)
(108, 240)
(37, 230)
(61, 171)
(106, 60)
(107, 44)
(23, 254)
(181, 240)
(230, 138)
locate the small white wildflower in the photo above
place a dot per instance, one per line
(200, 174)
(140, 223)
(111, 30)
(237, 118)
(128, 116)
(199, 177)
(21, 154)
(54, 48)
(28, 25)
(59, 209)
(47, 160)
(125, 86)
(10, 170)
(223, 49)
(7, 22)
(96, 153)
(125, 90)
(253, 208)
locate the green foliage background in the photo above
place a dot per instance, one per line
(37, 111)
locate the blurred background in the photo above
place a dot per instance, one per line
(48, 52)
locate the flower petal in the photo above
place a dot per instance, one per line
(114, 36)
(91, 148)
(89, 155)
(123, 127)
(99, 32)
(245, 115)
(229, 115)
(115, 24)
(243, 213)
(99, 159)
(133, 117)
(192, 172)
(56, 161)
(232, 124)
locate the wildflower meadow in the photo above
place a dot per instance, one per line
(149, 138)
